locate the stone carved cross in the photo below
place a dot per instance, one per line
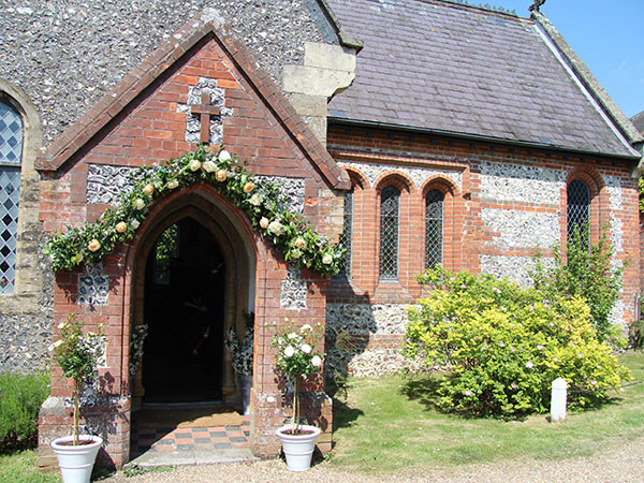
(205, 110)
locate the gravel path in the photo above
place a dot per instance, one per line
(617, 464)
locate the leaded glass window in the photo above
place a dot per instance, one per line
(434, 228)
(578, 209)
(389, 220)
(347, 236)
(11, 140)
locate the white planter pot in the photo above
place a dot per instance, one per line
(76, 462)
(298, 448)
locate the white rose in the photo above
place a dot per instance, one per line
(224, 155)
(306, 348)
(295, 254)
(172, 184)
(263, 222)
(289, 351)
(255, 200)
(135, 224)
(139, 204)
(194, 165)
(327, 259)
(275, 227)
(306, 328)
(209, 167)
(62, 325)
(292, 335)
(316, 361)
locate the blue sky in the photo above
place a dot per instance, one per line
(608, 35)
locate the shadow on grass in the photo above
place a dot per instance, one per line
(423, 388)
(344, 416)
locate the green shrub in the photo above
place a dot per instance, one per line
(505, 345)
(586, 273)
(20, 399)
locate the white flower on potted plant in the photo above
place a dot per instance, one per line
(316, 361)
(194, 165)
(224, 155)
(292, 335)
(289, 351)
(209, 167)
(306, 348)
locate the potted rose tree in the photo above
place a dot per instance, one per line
(77, 354)
(296, 359)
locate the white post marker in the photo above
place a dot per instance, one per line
(558, 400)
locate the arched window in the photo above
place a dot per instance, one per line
(11, 141)
(578, 209)
(434, 228)
(346, 237)
(389, 218)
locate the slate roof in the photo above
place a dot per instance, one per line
(638, 121)
(458, 69)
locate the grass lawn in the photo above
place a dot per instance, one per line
(388, 424)
(22, 467)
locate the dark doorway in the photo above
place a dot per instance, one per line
(184, 310)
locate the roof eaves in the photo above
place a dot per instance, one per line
(588, 80)
(336, 117)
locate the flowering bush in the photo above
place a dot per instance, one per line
(505, 345)
(296, 358)
(242, 352)
(258, 197)
(77, 354)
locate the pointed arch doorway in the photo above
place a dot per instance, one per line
(194, 279)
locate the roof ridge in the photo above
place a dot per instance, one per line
(487, 8)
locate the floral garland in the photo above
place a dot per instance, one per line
(289, 233)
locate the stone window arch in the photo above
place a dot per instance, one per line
(20, 142)
(11, 147)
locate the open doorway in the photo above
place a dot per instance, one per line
(185, 290)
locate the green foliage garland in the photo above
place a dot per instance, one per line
(289, 233)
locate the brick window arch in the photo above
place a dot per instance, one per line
(578, 209)
(11, 147)
(389, 232)
(434, 200)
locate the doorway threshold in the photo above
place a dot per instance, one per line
(183, 405)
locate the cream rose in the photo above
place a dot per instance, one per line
(135, 224)
(121, 227)
(62, 325)
(306, 328)
(139, 204)
(194, 165)
(148, 189)
(327, 259)
(292, 335)
(248, 187)
(221, 175)
(289, 351)
(263, 222)
(255, 200)
(306, 348)
(93, 245)
(209, 167)
(316, 361)
(224, 155)
(275, 227)
(172, 184)
(295, 254)
(299, 242)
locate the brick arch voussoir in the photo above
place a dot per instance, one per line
(358, 178)
(440, 183)
(395, 178)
